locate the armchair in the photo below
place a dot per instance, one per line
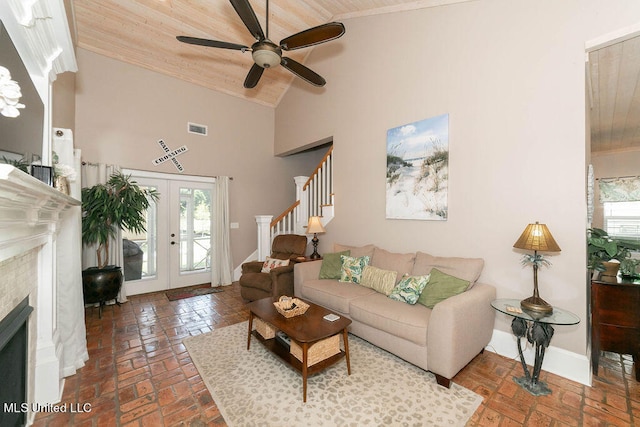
(279, 281)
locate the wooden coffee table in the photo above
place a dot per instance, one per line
(306, 330)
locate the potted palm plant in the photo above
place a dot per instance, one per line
(120, 203)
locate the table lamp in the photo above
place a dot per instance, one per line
(315, 227)
(536, 237)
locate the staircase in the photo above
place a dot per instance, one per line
(314, 197)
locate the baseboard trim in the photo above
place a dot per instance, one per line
(573, 366)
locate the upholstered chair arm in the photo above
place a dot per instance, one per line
(459, 329)
(282, 279)
(252, 267)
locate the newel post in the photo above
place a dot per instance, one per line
(264, 236)
(302, 213)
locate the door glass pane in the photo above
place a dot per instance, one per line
(195, 229)
(140, 250)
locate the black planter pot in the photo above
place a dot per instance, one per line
(100, 285)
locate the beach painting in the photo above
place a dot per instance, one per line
(418, 170)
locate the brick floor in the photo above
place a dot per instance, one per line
(139, 374)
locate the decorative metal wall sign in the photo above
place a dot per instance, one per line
(418, 170)
(170, 155)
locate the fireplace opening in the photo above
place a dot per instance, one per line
(14, 348)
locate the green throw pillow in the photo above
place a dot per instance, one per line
(441, 286)
(379, 280)
(409, 289)
(332, 265)
(351, 270)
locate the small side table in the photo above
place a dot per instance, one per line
(306, 259)
(538, 331)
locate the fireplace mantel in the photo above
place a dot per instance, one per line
(37, 218)
(30, 211)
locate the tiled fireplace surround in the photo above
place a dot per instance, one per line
(39, 241)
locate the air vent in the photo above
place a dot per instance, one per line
(197, 129)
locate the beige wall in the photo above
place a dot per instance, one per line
(511, 74)
(122, 111)
(63, 108)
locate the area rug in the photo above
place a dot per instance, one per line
(254, 388)
(192, 291)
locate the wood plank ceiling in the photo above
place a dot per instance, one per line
(614, 77)
(142, 32)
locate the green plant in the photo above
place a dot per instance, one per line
(21, 164)
(603, 248)
(120, 203)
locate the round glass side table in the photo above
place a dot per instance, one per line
(537, 329)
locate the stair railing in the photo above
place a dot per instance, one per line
(314, 197)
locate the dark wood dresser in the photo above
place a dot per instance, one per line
(615, 321)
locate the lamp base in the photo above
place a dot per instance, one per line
(536, 305)
(315, 254)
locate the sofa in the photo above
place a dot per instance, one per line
(442, 339)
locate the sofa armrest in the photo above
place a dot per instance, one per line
(304, 271)
(282, 281)
(460, 327)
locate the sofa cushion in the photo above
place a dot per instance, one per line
(402, 263)
(409, 289)
(379, 280)
(352, 268)
(356, 251)
(332, 265)
(462, 268)
(397, 318)
(332, 294)
(440, 287)
(271, 263)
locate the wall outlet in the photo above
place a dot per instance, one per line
(234, 225)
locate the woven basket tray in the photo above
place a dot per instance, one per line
(290, 307)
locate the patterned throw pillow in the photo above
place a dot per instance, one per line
(409, 289)
(441, 286)
(271, 263)
(379, 280)
(352, 268)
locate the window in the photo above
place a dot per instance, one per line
(622, 219)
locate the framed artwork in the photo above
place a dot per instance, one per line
(418, 170)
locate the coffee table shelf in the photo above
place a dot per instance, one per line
(306, 330)
(283, 352)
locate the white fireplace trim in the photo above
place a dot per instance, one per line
(35, 216)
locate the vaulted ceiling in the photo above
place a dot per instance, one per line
(614, 79)
(143, 33)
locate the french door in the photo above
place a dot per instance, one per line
(176, 250)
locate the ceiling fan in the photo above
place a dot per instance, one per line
(267, 54)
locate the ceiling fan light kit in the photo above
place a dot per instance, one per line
(267, 54)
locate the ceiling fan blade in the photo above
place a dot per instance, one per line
(312, 36)
(303, 72)
(212, 43)
(248, 16)
(253, 77)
